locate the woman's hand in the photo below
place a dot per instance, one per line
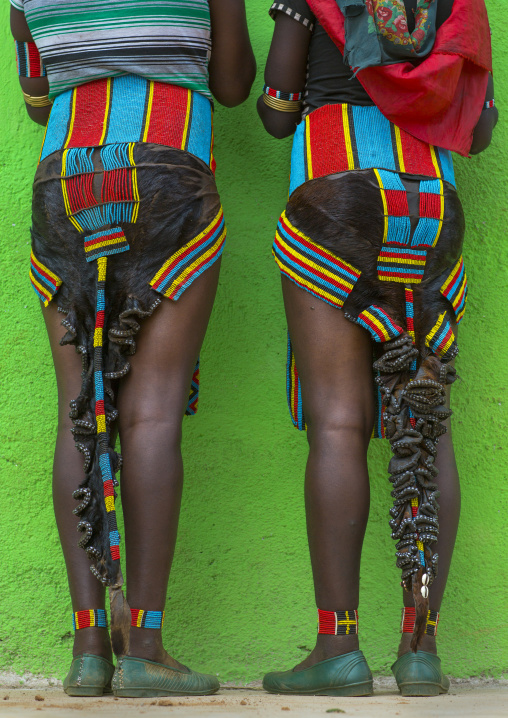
(232, 65)
(35, 86)
(285, 70)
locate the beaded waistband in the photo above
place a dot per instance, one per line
(338, 138)
(131, 109)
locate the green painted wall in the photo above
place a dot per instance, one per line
(242, 599)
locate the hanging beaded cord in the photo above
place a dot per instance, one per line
(146, 619)
(408, 621)
(282, 101)
(338, 623)
(95, 617)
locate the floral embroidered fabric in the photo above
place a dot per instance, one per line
(377, 31)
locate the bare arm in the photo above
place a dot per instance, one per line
(232, 64)
(285, 70)
(482, 135)
(31, 85)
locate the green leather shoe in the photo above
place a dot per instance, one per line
(89, 676)
(347, 675)
(420, 674)
(139, 678)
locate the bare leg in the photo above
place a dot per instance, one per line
(334, 360)
(151, 403)
(449, 512)
(86, 591)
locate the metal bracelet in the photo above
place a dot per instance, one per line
(282, 105)
(40, 101)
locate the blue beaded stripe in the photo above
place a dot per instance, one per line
(146, 619)
(94, 218)
(115, 245)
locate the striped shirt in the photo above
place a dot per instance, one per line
(83, 40)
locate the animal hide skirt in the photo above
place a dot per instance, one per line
(115, 229)
(385, 246)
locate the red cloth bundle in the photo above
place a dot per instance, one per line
(440, 99)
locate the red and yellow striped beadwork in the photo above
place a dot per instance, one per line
(455, 289)
(311, 266)
(95, 617)
(441, 339)
(44, 282)
(185, 265)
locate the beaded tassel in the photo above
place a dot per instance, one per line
(338, 623)
(146, 619)
(408, 621)
(95, 617)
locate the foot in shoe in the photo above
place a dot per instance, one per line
(146, 643)
(328, 646)
(427, 644)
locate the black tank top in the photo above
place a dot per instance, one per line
(329, 79)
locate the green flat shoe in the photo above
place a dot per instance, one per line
(347, 675)
(420, 674)
(89, 676)
(139, 678)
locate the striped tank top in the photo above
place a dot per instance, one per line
(83, 40)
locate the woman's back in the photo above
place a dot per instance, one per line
(79, 41)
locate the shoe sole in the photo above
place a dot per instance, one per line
(157, 693)
(87, 691)
(421, 689)
(355, 690)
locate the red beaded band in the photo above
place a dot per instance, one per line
(338, 623)
(280, 95)
(489, 104)
(28, 60)
(408, 621)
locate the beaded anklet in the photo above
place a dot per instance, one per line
(146, 619)
(338, 623)
(94, 618)
(408, 621)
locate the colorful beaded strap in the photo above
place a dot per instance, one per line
(146, 619)
(338, 623)
(408, 621)
(279, 95)
(95, 617)
(489, 104)
(28, 60)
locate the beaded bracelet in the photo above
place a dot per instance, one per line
(279, 95)
(28, 60)
(282, 101)
(338, 623)
(489, 104)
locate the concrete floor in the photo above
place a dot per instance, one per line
(481, 699)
